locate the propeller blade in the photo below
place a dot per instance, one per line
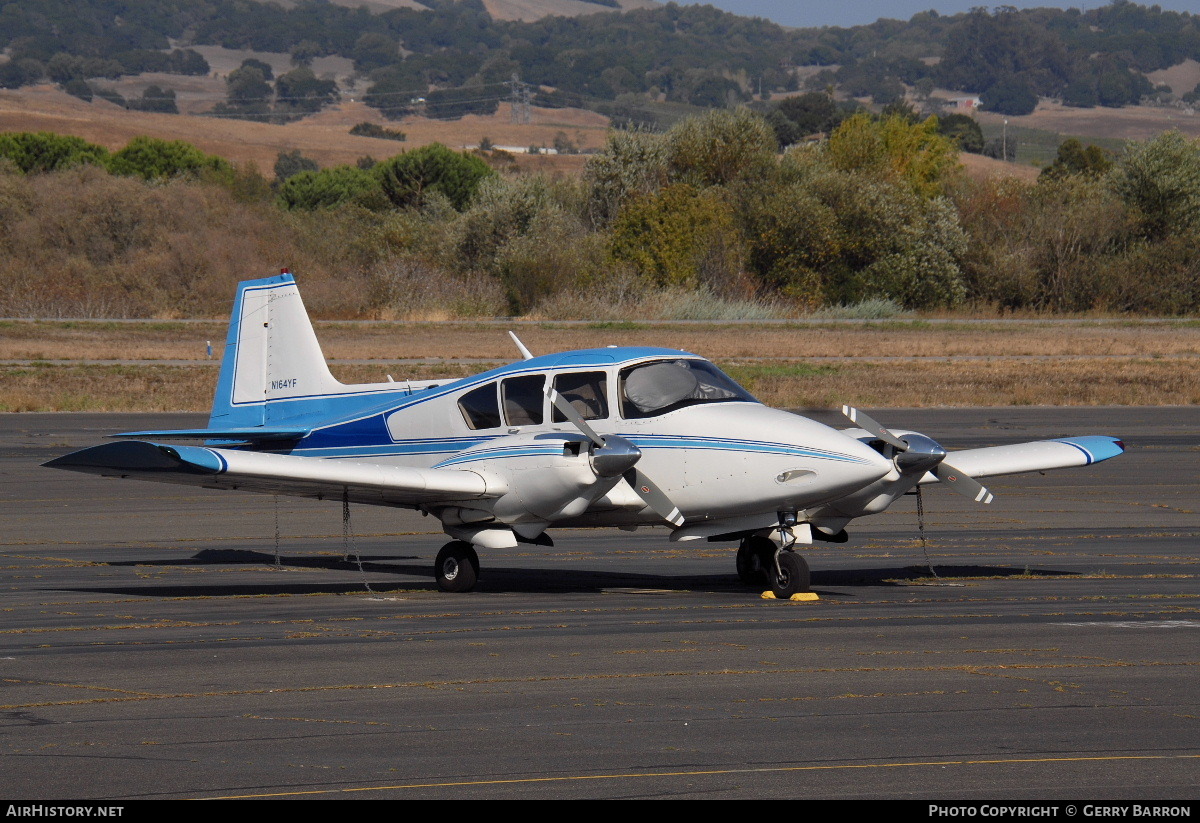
(568, 411)
(865, 421)
(654, 497)
(964, 484)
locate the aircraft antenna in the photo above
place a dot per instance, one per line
(524, 351)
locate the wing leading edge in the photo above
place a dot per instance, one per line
(1040, 455)
(265, 473)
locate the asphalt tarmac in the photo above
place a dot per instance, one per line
(152, 646)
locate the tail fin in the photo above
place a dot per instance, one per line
(271, 354)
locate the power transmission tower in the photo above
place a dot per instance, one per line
(521, 97)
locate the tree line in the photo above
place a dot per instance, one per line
(456, 57)
(879, 211)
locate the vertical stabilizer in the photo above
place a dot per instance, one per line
(271, 354)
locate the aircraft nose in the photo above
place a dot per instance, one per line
(868, 465)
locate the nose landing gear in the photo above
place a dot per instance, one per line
(760, 561)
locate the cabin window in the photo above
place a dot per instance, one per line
(523, 399)
(586, 391)
(480, 408)
(665, 385)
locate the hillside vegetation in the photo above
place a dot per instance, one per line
(451, 57)
(707, 221)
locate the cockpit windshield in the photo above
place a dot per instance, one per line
(656, 388)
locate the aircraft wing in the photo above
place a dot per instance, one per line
(265, 473)
(1040, 455)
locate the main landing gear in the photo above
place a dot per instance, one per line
(456, 567)
(760, 560)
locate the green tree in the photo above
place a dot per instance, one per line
(803, 115)
(290, 163)
(1074, 158)
(407, 178)
(671, 235)
(632, 163)
(305, 52)
(846, 236)
(1012, 95)
(332, 187)
(912, 153)
(302, 92)
(1160, 180)
(153, 159)
(44, 151)
(247, 91)
(963, 130)
(156, 98)
(374, 50)
(720, 147)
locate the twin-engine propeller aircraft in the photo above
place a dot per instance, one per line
(618, 436)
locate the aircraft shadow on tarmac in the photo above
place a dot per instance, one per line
(517, 580)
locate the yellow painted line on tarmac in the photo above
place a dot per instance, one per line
(709, 772)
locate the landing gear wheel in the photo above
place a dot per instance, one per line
(753, 557)
(456, 567)
(792, 577)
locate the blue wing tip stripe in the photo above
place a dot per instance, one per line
(1095, 448)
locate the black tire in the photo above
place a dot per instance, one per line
(456, 567)
(754, 555)
(792, 576)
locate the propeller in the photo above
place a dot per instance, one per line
(918, 453)
(613, 455)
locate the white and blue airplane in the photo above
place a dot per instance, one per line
(621, 436)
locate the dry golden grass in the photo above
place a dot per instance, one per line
(979, 167)
(1124, 382)
(1129, 123)
(53, 340)
(785, 384)
(1181, 77)
(325, 137)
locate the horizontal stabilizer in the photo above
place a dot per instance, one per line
(253, 434)
(139, 457)
(1040, 455)
(266, 473)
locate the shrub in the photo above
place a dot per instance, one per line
(332, 187)
(374, 130)
(671, 235)
(632, 163)
(290, 163)
(1160, 180)
(408, 178)
(153, 159)
(44, 151)
(720, 147)
(910, 153)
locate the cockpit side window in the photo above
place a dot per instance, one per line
(656, 388)
(523, 398)
(480, 408)
(586, 391)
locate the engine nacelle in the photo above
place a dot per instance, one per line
(550, 476)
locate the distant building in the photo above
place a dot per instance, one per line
(965, 103)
